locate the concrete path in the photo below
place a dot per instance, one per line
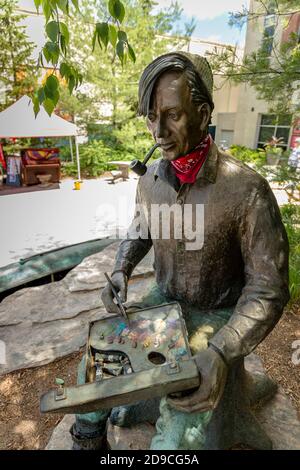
(39, 221)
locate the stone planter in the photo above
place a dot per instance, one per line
(273, 158)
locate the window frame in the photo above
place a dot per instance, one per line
(268, 39)
(284, 146)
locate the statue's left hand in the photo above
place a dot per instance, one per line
(213, 372)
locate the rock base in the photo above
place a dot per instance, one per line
(278, 418)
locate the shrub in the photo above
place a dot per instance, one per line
(134, 139)
(129, 142)
(94, 157)
(246, 155)
(65, 153)
(291, 219)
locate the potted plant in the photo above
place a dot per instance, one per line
(273, 152)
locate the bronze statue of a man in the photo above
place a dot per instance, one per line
(234, 287)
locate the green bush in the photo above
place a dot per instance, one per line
(65, 153)
(94, 157)
(129, 142)
(134, 139)
(291, 219)
(69, 169)
(246, 155)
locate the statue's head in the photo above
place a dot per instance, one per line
(175, 95)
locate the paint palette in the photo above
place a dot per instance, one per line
(153, 336)
(127, 362)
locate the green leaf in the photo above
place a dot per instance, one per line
(65, 32)
(51, 52)
(116, 9)
(52, 83)
(46, 9)
(113, 35)
(94, 40)
(64, 69)
(62, 43)
(122, 36)
(131, 53)
(99, 41)
(103, 33)
(55, 98)
(63, 5)
(49, 106)
(40, 60)
(36, 105)
(122, 12)
(71, 84)
(120, 51)
(48, 93)
(47, 54)
(37, 4)
(41, 95)
(52, 95)
(52, 30)
(75, 3)
(111, 6)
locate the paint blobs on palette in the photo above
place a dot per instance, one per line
(120, 327)
(159, 325)
(162, 333)
(179, 353)
(147, 343)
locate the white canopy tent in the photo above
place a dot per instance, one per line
(18, 121)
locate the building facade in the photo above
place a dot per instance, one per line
(240, 117)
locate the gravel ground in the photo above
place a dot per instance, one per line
(23, 427)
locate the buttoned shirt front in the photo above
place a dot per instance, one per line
(243, 261)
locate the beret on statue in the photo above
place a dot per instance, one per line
(203, 68)
(177, 60)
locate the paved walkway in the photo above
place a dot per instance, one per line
(39, 221)
(42, 220)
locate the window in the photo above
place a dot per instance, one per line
(268, 35)
(277, 126)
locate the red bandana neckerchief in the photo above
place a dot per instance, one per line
(187, 167)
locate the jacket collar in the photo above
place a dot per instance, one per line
(208, 171)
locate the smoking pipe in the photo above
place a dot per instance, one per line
(140, 167)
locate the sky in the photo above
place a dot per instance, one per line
(211, 16)
(212, 19)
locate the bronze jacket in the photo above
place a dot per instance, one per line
(244, 258)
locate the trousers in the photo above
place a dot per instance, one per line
(175, 430)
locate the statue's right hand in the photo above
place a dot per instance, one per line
(120, 282)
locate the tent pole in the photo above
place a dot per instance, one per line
(71, 149)
(77, 158)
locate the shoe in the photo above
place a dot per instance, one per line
(93, 442)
